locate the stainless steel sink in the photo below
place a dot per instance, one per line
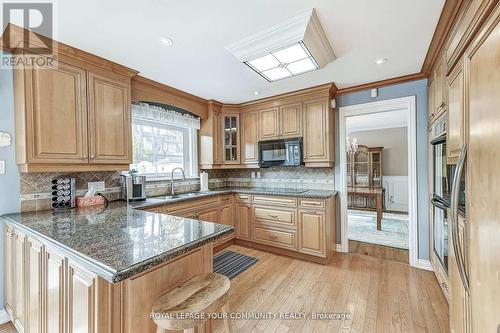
(180, 195)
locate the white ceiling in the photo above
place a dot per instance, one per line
(374, 121)
(129, 32)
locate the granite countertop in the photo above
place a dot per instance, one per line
(163, 200)
(119, 241)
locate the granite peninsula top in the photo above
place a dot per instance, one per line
(118, 241)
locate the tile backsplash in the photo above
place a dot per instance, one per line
(36, 187)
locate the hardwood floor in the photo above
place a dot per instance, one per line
(379, 251)
(378, 295)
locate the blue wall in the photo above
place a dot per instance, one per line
(418, 89)
(9, 183)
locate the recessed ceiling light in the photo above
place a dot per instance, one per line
(380, 61)
(167, 41)
(256, 93)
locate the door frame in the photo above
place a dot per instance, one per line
(408, 104)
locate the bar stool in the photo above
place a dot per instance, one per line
(188, 305)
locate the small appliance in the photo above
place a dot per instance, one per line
(282, 152)
(133, 187)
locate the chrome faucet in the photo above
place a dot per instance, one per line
(172, 193)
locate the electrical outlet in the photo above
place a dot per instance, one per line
(2, 167)
(97, 186)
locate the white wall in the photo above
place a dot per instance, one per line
(394, 141)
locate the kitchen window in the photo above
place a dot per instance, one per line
(163, 139)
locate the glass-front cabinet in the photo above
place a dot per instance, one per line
(231, 144)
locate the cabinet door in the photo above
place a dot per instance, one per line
(243, 215)
(317, 131)
(209, 215)
(231, 139)
(291, 120)
(54, 291)
(439, 88)
(455, 130)
(312, 237)
(226, 215)
(9, 270)
(109, 119)
(19, 309)
(483, 183)
(269, 124)
(81, 300)
(250, 138)
(34, 286)
(56, 118)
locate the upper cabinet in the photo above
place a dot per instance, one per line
(250, 138)
(318, 133)
(233, 131)
(231, 138)
(109, 118)
(438, 92)
(455, 116)
(72, 114)
(281, 122)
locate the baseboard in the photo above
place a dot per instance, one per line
(424, 264)
(4, 317)
(338, 247)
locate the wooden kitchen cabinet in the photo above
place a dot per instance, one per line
(19, 267)
(269, 124)
(109, 119)
(51, 114)
(291, 121)
(281, 122)
(54, 286)
(243, 217)
(250, 138)
(81, 298)
(211, 214)
(230, 139)
(318, 133)
(34, 286)
(72, 117)
(210, 137)
(455, 117)
(8, 234)
(312, 238)
(430, 99)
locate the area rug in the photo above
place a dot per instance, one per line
(231, 264)
(363, 228)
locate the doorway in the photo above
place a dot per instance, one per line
(379, 200)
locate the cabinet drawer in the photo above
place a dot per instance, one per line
(245, 198)
(312, 203)
(195, 203)
(226, 199)
(278, 238)
(280, 217)
(281, 201)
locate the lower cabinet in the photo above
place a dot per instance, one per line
(18, 285)
(243, 216)
(34, 285)
(312, 233)
(81, 300)
(54, 291)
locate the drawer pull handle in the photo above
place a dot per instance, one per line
(273, 216)
(273, 237)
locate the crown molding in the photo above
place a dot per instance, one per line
(382, 83)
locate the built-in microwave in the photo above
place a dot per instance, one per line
(282, 152)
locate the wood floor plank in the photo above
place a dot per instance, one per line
(380, 295)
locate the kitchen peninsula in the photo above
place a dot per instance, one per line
(90, 267)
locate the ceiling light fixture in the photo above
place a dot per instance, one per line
(380, 61)
(294, 47)
(167, 41)
(256, 93)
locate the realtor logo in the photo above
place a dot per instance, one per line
(28, 21)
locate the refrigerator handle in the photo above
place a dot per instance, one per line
(455, 193)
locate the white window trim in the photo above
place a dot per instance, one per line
(190, 148)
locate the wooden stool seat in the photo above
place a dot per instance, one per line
(188, 305)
